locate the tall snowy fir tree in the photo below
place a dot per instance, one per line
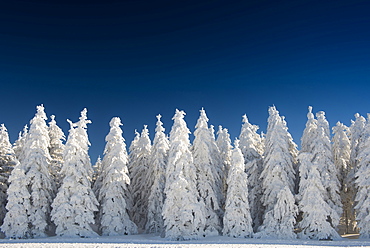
(7, 163)
(157, 170)
(323, 158)
(278, 178)
(56, 149)
(38, 181)
(184, 214)
(341, 152)
(19, 143)
(207, 172)
(309, 133)
(114, 178)
(96, 178)
(252, 149)
(75, 203)
(237, 219)
(224, 145)
(362, 200)
(312, 204)
(138, 167)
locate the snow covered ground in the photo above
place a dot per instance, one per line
(150, 241)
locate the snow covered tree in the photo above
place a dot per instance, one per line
(208, 177)
(341, 153)
(309, 133)
(56, 149)
(312, 204)
(252, 150)
(224, 145)
(362, 199)
(114, 178)
(356, 134)
(37, 180)
(19, 143)
(75, 203)
(7, 163)
(157, 170)
(16, 222)
(96, 179)
(323, 157)
(183, 212)
(139, 165)
(237, 219)
(278, 177)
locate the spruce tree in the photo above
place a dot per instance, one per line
(323, 157)
(56, 149)
(362, 200)
(7, 163)
(278, 178)
(341, 153)
(114, 178)
(157, 170)
(224, 145)
(207, 171)
(252, 149)
(96, 178)
(75, 203)
(19, 143)
(139, 165)
(37, 180)
(312, 204)
(237, 219)
(183, 212)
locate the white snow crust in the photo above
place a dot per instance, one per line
(151, 241)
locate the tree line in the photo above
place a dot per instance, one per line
(262, 186)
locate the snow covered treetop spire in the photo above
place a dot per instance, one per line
(159, 127)
(115, 122)
(273, 110)
(179, 114)
(202, 120)
(83, 121)
(310, 115)
(245, 118)
(41, 112)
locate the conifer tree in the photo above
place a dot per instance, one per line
(114, 218)
(139, 182)
(278, 177)
(312, 204)
(323, 157)
(252, 149)
(207, 171)
(341, 152)
(19, 143)
(362, 200)
(96, 179)
(224, 145)
(132, 157)
(237, 219)
(183, 212)
(56, 149)
(7, 163)
(157, 170)
(309, 133)
(37, 180)
(75, 203)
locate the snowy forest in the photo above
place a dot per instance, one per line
(258, 186)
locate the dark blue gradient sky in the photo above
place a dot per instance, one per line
(136, 59)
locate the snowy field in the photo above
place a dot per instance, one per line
(150, 241)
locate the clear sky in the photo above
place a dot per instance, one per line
(136, 59)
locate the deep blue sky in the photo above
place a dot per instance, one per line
(136, 59)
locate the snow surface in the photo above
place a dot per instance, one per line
(151, 241)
